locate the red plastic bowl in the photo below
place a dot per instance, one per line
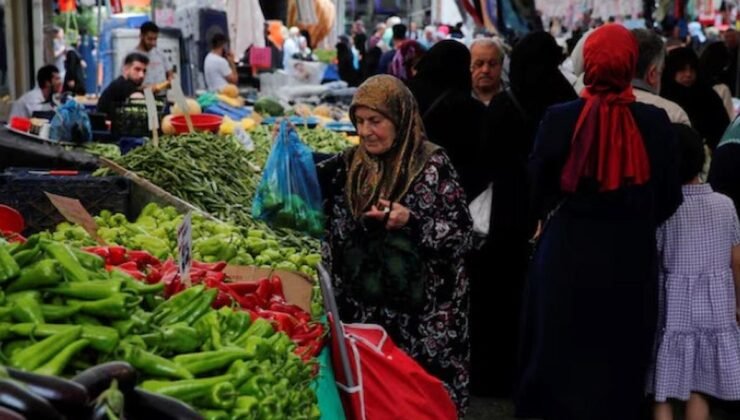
(201, 122)
(20, 123)
(11, 220)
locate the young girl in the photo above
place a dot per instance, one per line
(698, 339)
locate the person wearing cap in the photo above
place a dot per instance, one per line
(399, 36)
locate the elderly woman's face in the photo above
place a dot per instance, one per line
(376, 132)
(686, 76)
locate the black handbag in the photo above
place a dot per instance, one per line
(385, 268)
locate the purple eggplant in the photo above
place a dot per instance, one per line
(8, 414)
(69, 398)
(144, 404)
(98, 378)
(14, 396)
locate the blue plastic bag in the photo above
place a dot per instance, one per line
(71, 123)
(289, 195)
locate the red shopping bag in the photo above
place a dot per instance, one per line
(260, 58)
(387, 383)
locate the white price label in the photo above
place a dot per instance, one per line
(151, 109)
(185, 248)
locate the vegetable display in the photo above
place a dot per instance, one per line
(81, 309)
(155, 231)
(212, 172)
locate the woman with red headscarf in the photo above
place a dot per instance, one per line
(604, 176)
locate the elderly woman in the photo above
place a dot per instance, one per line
(397, 195)
(604, 176)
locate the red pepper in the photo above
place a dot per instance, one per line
(215, 277)
(251, 301)
(286, 307)
(154, 276)
(100, 251)
(217, 266)
(173, 287)
(277, 287)
(305, 333)
(143, 258)
(264, 290)
(284, 322)
(138, 275)
(222, 299)
(116, 255)
(243, 287)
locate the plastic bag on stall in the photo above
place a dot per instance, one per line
(71, 123)
(288, 195)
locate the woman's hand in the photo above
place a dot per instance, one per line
(394, 215)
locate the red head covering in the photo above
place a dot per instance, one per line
(607, 145)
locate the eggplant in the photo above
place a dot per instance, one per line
(69, 398)
(8, 414)
(143, 404)
(24, 402)
(98, 378)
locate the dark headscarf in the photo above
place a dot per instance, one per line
(388, 176)
(345, 65)
(713, 62)
(74, 72)
(534, 74)
(446, 66)
(704, 107)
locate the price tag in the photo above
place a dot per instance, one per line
(180, 100)
(185, 248)
(75, 212)
(151, 112)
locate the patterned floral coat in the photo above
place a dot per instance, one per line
(437, 336)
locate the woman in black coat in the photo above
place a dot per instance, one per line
(514, 115)
(604, 176)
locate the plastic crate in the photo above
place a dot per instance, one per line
(25, 192)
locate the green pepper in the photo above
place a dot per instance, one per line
(221, 396)
(103, 339)
(257, 348)
(27, 256)
(36, 355)
(73, 270)
(235, 322)
(254, 386)
(247, 403)
(242, 370)
(26, 307)
(186, 390)
(152, 364)
(176, 304)
(215, 415)
(11, 348)
(82, 319)
(193, 310)
(89, 260)
(8, 266)
(90, 291)
(4, 330)
(207, 361)
(6, 311)
(259, 328)
(139, 287)
(31, 242)
(56, 365)
(117, 306)
(57, 312)
(44, 273)
(179, 338)
(209, 326)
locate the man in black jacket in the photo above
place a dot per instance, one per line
(130, 81)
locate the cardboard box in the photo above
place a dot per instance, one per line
(297, 286)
